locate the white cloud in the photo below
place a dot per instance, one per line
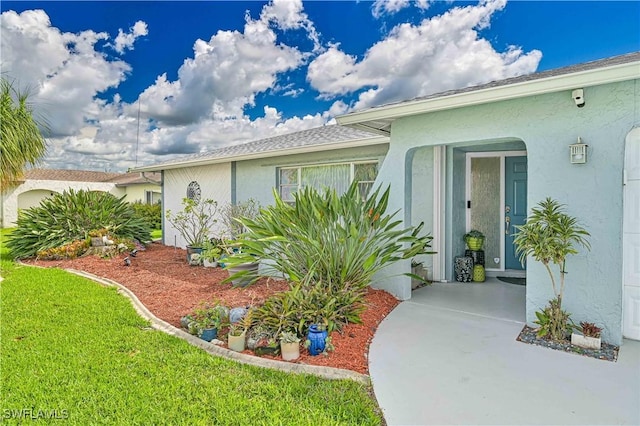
(382, 7)
(204, 107)
(126, 40)
(63, 70)
(441, 53)
(228, 71)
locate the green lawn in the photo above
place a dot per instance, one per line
(73, 346)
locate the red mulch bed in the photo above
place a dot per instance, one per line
(163, 281)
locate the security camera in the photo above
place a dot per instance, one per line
(578, 97)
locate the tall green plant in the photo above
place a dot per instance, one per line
(549, 236)
(21, 140)
(195, 220)
(330, 238)
(70, 216)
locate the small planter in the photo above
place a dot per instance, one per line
(208, 334)
(236, 343)
(585, 341)
(290, 351)
(316, 340)
(209, 264)
(479, 273)
(475, 243)
(190, 252)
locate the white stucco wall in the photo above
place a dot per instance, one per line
(547, 124)
(215, 184)
(31, 192)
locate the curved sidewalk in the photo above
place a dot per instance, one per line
(450, 356)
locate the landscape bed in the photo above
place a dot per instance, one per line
(163, 281)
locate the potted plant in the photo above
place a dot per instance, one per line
(238, 332)
(474, 239)
(206, 320)
(550, 235)
(590, 337)
(289, 345)
(211, 252)
(194, 222)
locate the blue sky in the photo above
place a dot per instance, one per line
(209, 74)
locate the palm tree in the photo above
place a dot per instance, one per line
(21, 139)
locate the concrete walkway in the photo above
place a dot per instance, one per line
(449, 356)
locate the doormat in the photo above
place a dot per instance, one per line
(513, 280)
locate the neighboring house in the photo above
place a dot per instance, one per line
(326, 155)
(38, 184)
(140, 187)
(483, 156)
(478, 157)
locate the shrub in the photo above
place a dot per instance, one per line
(338, 239)
(151, 213)
(329, 247)
(549, 236)
(553, 321)
(64, 218)
(195, 220)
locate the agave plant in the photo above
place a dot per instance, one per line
(71, 216)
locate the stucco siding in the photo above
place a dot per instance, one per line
(547, 124)
(215, 184)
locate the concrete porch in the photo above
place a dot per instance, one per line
(449, 356)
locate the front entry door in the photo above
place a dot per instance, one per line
(515, 206)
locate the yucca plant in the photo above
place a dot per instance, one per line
(71, 216)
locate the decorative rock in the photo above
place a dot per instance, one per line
(236, 314)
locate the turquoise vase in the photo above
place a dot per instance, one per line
(317, 339)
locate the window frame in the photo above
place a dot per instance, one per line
(298, 185)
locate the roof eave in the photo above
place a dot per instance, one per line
(257, 155)
(587, 78)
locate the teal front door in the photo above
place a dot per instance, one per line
(515, 208)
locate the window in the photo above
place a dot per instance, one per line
(338, 176)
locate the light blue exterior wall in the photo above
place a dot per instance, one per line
(257, 178)
(547, 125)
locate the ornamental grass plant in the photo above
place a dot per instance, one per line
(63, 219)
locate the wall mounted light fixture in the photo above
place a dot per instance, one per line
(578, 152)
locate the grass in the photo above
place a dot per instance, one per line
(73, 346)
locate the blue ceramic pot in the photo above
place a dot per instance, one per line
(317, 339)
(209, 334)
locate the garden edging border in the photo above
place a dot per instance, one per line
(158, 324)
